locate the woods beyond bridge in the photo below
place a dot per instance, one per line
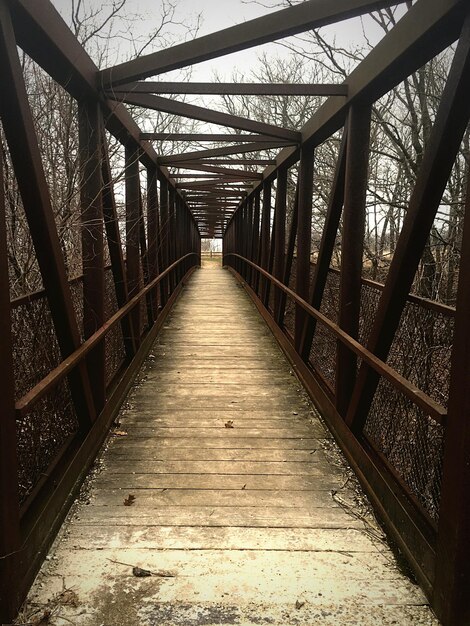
(233, 475)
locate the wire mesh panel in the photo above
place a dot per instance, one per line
(76, 289)
(421, 349)
(411, 441)
(324, 344)
(289, 315)
(42, 434)
(43, 431)
(370, 296)
(35, 348)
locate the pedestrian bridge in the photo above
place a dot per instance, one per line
(281, 435)
(239, 496)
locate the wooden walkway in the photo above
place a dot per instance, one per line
(221, 475)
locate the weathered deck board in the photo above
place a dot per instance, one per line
(249, 519)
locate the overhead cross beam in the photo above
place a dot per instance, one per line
(220, 183)
(264, 162)
(218, 170)
(284, 23)
(234, 89)
(202, 137)
(191, 111)
(214, 195)
(201, 154)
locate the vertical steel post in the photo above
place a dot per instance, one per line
(91, 188)
(164, 234)
(279, 236)
(144, 260)
(172, 236)
(304, 236)
(245, 240)
(289, 257)
(152, 232)
(269, 269)
(133, 234)
(9, 509)
(113, 235)
(352, 248)
(249, 242)
(452, 578)
(264, 236)
(255, 239)
(330, 230)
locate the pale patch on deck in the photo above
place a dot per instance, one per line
(259, 523)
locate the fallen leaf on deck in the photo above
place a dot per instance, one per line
(229, 424)
(129, 501)
(141, 573)
(299, 604)
(68, 597)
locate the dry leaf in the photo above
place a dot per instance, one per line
(129, 501)
(299, 604)
(68, 597)
(229, 424)
(141, 573)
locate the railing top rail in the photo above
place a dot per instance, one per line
(418, 397)
(25, 404)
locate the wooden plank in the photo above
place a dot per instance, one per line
(228, 516)
(259, 498)
(219, 481)
(221, 468)
(138, 449)
(187, 538)
(226, 434)
(188, 421)
(235, 442)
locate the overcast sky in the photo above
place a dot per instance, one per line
(219, 14)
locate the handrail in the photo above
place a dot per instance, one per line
(27, 402)
(418, 397)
